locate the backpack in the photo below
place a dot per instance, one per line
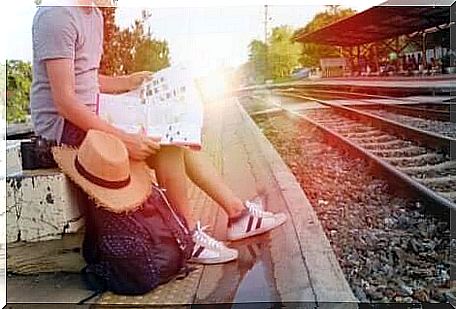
(132, 253)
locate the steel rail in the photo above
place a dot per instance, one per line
(434, 114)
(423, 113)
(383, 167)
(425, 138)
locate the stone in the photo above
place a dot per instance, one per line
(405, 290)
(421, 295)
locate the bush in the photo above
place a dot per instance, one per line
(18, 83)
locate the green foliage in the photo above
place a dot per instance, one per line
(258, 60)
(312, 53)
(2, 90)
(283, 53)
(276, 59)
(18, 83)
(130, 50)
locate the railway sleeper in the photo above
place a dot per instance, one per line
(334, 121)
(449, 195)
(451, 165)
(428, 158)
(353, 129)
(380, 139)
(409, 151)
(396, 144)
(368, 134)
(438, 181)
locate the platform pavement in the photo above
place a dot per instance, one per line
(406, 82)
(447, 83)
(294, 263)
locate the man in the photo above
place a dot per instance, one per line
(67, 45)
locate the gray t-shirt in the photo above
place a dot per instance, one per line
(70, 33)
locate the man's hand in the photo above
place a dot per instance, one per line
(139, 146)
(136, 79)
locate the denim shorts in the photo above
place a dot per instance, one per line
(72, 135)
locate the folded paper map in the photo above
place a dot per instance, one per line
(169, 107)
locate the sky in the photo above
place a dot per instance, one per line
(206, 36)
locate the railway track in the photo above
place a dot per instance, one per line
(417, 160)
(439, 111)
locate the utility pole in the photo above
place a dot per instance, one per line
(265, 24)
(265, 42)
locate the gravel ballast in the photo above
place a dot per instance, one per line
(389, 248)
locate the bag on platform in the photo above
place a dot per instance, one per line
(134, 240)
(134, 252)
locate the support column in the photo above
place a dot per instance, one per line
(377, 64)
(423, 51)
(453, 146)
(358, 62)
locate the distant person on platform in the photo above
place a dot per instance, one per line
(67, 49)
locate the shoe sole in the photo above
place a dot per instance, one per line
(211, 261)
(257, 232)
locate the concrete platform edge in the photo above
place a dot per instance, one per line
(296, 199)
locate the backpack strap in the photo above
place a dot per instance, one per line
(179, 230)
(96, 293)
(93, 282)
(185, 271)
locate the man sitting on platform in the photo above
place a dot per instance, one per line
(67, 46)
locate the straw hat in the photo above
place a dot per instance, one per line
(101, 167)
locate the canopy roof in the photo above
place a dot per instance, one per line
(378, 23)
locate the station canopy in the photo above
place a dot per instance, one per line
(378, 23)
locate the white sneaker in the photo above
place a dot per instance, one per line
(255, 221)
(208, 250)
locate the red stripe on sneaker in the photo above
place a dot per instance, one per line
(249, 226)
(198, 252)
(258, 225)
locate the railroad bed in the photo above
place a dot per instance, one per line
(388, 245)
(419, 158)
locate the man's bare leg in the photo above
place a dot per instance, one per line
(169, 165)
(169, 168)
(172, 166)
(244, 221)
(200, 170)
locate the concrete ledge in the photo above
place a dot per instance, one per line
(13, 157)
(41, 205)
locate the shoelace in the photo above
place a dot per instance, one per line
(255, 210)
(205, 238)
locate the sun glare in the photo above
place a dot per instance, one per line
(213, 86)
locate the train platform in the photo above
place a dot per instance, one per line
(293, 264)
(445, 83)
(388, 86)
(278, 99)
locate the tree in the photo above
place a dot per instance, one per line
(132, 49)
(311, 52)
(283, 53)
(277, 58)
(124, 51)
(18, 82)
(2, 89)
(258, 60)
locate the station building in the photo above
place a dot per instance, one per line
(391, 39)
